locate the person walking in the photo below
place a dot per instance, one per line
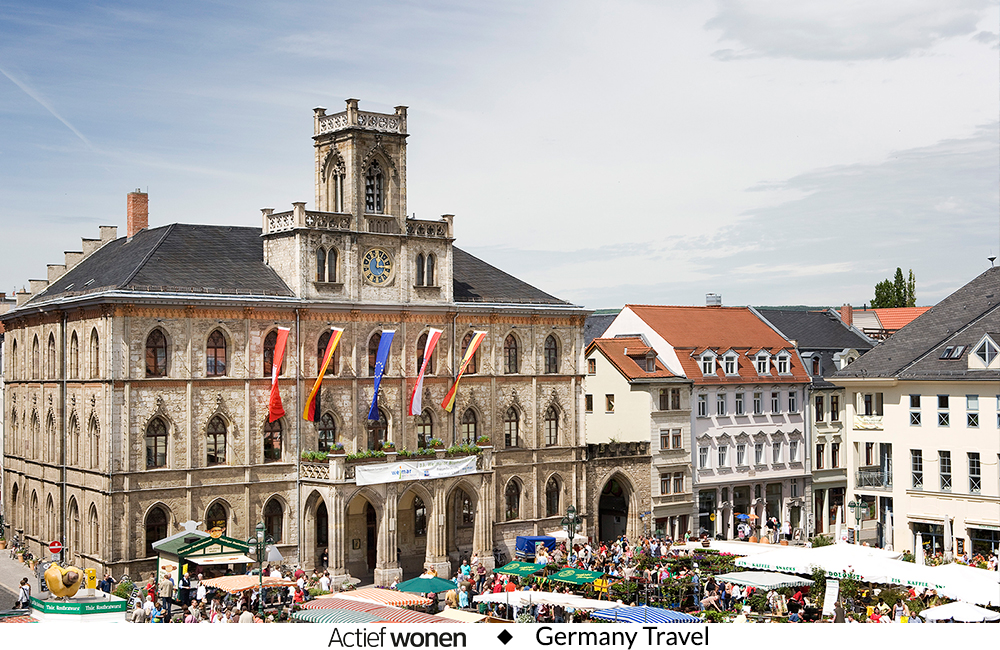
(166, 592)
(23, 595)
(839, 615)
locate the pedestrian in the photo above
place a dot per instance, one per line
(166, 591)
(325, 558)
(23, 595)
(107, 584)
(184, 590)
(202, 591)
(839, 615)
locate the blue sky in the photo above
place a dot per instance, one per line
(775, 152)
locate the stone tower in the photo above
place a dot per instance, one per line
(359, 245)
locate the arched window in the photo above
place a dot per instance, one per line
(429, 276)
(95, 532)
(510, 355)
(374, 189)
(94, 437)
(378, 431)
(74, 440)
(425, 428)
(274, 515)
(552, 497)
(510, 427)
(74, 529)
(470, 369)
(14, 361)
(420, 270)
(551, 426)
(156, 444)
(215, 442)
(469, 427)
(373, 343)
(35, 510)
(331, 265)
(74, 357)
(13, 507)
(421, 344)
(156, 529)
(272, 441)
(50, 438)
(271, 342)
(419, 517)
(217, 518)
(95, 355)
(50, 519)
(36, 443)
(463, 504)
(13, 444)
(320, 264)
(215, 355)
(334, 367)
(551, 354)
(327, 432)
(512, 500)
(50, 361)
(36, 360)
(156, 354)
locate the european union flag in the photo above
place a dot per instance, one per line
(381, 359)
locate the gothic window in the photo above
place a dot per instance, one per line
(50, 438)
(374, 191)
(421, 344)
(469, 427)
(215, 442)
(324, 340)
(273, 516)
(419, 517)
(551, 354)
(14, 361)
(425, 428)
(34, 515)
(156, 354)
(332, 264)
(512, 500)
(50, 519)
(510, 357)
(373, 344)
(217, 517)
(13, 506)
(36, 360)
(50, 360)
(272, 441)
(464, 503)
(327, 432)
(94, 438)
(552, 497)
(378, 431)
(12, 445)
(36, 446)
(74, 357)
(470, 369)
(156, 529)
(74, 441)
(156, 444)
(95, 532)
(270, 343)
(95, 354)
(326, 265)
(429, 276)
(551, 426)
(74, 528)
(420, 269)
(510, 427)
(215, 355)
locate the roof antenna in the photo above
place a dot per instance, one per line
(991, 258)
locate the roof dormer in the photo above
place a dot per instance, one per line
(761, 362)
(784, 363)
(731, 363)
(985, 354)
(707, 360)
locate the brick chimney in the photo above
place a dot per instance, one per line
(138, 212)
(847, 315)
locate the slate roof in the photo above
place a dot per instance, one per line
(624, 353)
(188, 258)
(914, 351)
(597, 324)
(816, 329)
(477, 281)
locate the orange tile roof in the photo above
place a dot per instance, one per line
(894, 318)
(692, 330)
(614, 351)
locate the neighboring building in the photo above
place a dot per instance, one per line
(141, 371)
(632, 402)
(826, 345)
(880, 324)
(748, 435)
(5, 528)
(923, 418)
(597, 323)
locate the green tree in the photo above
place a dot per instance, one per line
(911, 290)
(898, 292)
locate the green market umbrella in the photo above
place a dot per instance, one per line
(426, 585)
(339, 616)
(519, 568)
(576, 576)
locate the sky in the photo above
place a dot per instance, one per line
(776, 152)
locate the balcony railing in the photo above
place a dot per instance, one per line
(873, 477)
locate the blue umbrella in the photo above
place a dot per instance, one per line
(741, 516)
(644, 614)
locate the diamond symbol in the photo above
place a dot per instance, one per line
(505, 637)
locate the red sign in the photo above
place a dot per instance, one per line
(55, 547)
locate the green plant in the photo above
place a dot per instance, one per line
(314, 456)
(124, 589)
(483, 440)
(713, 616)
(463, 448)
(367, 453)
(434, 443)
(758, 601)
(316, 591)
(818, 589)
(821, 540)
(849, 586)
(908, 557)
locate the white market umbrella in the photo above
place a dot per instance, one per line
(962, 582)
(960, 612)
(918, 552)
(889, 535)
(948, 542)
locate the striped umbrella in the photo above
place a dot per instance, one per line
(386, 597)
(397, 615)
(340, 603)
(644, 614)
(334, 616)
(236, 584)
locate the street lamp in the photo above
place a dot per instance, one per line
(860, 508)
(259, 545)
(570, 523)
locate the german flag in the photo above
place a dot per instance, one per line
(312, 408)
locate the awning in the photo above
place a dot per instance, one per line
(644, 614)
(576, 576)
(385, 597)
(763, 579)
(460, 615)
(219, 559)
(519, 568)
(335, 616)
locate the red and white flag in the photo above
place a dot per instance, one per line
(416, 405)
(274, 407)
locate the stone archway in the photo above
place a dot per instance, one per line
(613, 511)
(415, 533)
(461, 523)
(361, 536)
(315, 531)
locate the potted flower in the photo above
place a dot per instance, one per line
(484, 441)
(435, 443)
(388, 446)
(337, 449)
(3, 542)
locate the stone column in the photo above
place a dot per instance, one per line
(336, 525)
(826, 511)
(437, 536)
(482, 540)
(387, 567)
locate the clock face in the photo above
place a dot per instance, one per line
(377, 266)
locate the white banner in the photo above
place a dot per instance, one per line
(831, 596)
(413, 470)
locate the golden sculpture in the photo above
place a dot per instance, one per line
(63, 582)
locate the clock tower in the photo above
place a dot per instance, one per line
(358, 245)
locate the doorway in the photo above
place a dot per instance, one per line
(371, 524)
(612, 511)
